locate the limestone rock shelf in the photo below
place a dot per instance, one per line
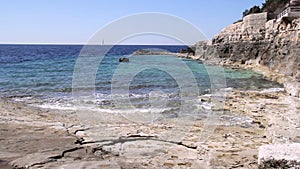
(270, 47)
(41, 138)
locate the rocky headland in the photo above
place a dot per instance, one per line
(270, 47)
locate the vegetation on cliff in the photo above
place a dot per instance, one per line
(270, 6)
(254, 9)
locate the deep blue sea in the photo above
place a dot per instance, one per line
(42, 75)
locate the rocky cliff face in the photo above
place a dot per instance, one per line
(272, 44)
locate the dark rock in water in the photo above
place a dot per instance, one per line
(124, 60)
(189, 51)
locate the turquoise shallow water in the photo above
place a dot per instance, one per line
(42, 75)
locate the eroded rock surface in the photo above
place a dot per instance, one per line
(41, 138)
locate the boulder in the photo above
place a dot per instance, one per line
(124, 60)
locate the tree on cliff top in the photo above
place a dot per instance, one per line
(254, 9)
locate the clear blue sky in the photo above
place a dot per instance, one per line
(75, 21)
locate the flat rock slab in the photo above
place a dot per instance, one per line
(5, 165)
(25, 145)
(288, 152)
(86, 164)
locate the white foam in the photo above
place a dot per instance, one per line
(206, 106)
(101, 110)
(273, 90)
(22, 99)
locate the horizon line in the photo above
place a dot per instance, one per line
(82, 44)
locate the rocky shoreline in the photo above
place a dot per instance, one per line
(250, 120)
(45, 138)
(40, 138)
